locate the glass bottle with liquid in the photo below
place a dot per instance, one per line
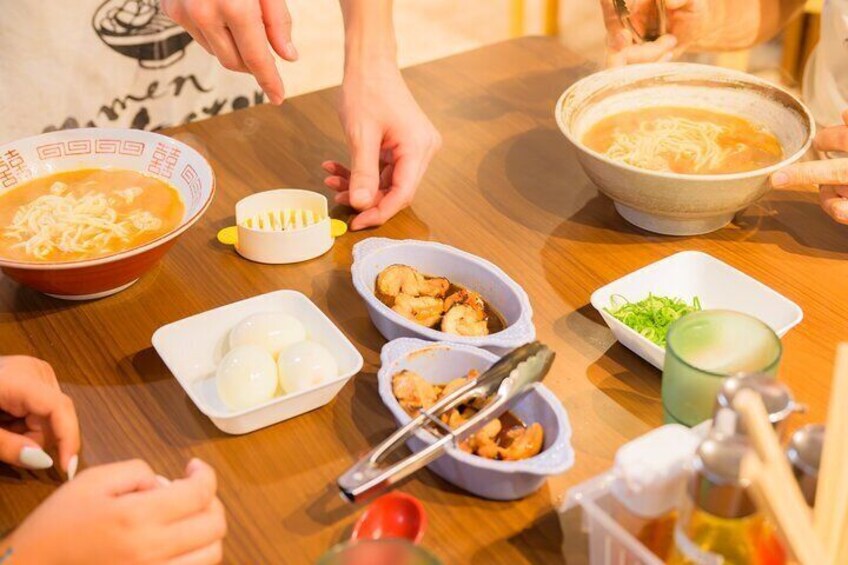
(719, 523)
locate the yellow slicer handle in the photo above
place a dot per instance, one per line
(228, 236)
(337, 228)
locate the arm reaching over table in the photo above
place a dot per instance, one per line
(241, 34)
(830, 175)
(698, 25)
(124, 513)
(391, 141)
(35, 416)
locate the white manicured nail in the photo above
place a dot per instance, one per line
(35, 458)
(72, 467)
(163, 481)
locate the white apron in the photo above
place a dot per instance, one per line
(108, 63)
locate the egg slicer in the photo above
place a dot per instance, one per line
(282, 226)
(505, 382)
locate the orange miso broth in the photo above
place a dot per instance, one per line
(684, 140)
(85, 214)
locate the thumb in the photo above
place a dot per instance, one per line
(21, 451)
(365, 169)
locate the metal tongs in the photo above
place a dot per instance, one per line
(505, 382)
(651, 33)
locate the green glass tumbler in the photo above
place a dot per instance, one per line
(702, 350)
(388, 551)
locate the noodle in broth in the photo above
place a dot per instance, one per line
(684, 140)
(85, 214)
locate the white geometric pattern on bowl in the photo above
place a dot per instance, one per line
(149, 153)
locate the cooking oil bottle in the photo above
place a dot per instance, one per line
(719, 523)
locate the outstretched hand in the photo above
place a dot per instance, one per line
(686, 21)
(830, 175)
(38, 416)
(391, 143)
(239, 33)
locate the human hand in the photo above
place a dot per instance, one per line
(238, 32)
(38, 416)
(685, 24)
(831, 175)
(123, 513)
(391, 143)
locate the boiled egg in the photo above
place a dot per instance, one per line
(272, 331)
(304, 365)
(246, 377)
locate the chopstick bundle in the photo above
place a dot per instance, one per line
(773, 485)
(831, 510)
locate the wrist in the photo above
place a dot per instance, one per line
(14, 550)
(369, 35)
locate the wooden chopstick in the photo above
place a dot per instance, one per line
(775, 484)
(832, 492)
(768, 494)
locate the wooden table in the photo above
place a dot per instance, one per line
(506, 186)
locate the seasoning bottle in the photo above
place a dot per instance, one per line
(719, 523)
(804, 452)
(650, 478)
(777, 398)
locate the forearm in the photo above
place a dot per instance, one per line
(369, 33)
(734, 25)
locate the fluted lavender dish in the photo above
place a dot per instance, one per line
(497, 480)
(372, 255)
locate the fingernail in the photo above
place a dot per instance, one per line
(72, 467)
(671, 40)
(35, 458)
(291, 51)
(163, 481)
(194, 464)
(779, 178)
(667, 57)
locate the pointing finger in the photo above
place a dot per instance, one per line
(824, 172)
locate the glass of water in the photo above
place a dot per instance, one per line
(703, 349)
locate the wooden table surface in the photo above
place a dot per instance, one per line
(506, 186)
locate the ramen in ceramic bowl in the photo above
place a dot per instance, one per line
(84, 213)
(679, 147)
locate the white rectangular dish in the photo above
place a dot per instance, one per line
(686, 275)
(193, 347)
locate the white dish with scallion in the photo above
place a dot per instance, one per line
(640, 307)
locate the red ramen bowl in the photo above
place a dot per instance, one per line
(149, 153)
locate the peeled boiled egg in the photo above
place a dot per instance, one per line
(272, 331)
(305, 365)
(247, 377)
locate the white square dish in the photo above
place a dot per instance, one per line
(193, 347)
(686, 275)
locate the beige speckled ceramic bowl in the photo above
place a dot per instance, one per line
(672, 203)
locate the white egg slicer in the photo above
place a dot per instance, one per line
(283, 226)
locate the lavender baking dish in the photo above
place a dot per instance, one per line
(497, 480)
(372, 255)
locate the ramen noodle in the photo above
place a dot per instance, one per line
(684, 140)
(85, 214)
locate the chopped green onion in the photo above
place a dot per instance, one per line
(652, 316)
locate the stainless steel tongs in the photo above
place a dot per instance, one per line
(503, 384)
